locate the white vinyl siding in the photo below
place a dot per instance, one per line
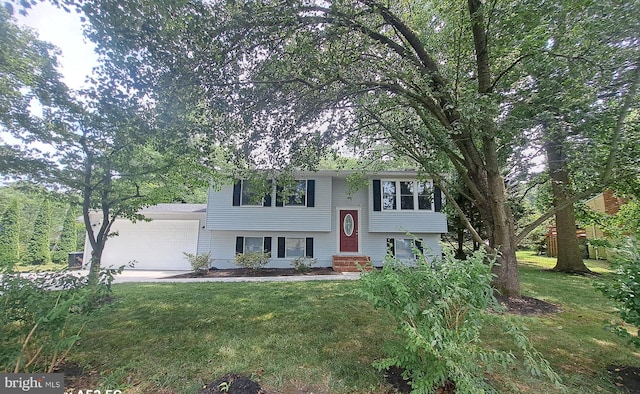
(222, 215)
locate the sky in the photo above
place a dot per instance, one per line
(64, 30)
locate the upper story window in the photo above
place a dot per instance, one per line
(248, 194)
(297, 194)
(406, 195)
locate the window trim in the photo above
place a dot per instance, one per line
(303, 203)
(398, 195)
(242, 240)
(259, 203)
(281, 247)
(392, 248)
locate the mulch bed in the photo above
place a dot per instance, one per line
(627, 379)
(527, 306)
(248, 272)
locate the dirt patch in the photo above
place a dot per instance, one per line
(627, 379)
(393, 376)
(233, 384)
(248, 272)
(527, 306)
(77, 378)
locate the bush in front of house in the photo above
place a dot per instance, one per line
(303, 264)
(439, 310)
(625, 287)
(200, 263)
(253, 260)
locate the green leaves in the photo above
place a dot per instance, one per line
(440, 309)
(625, 286)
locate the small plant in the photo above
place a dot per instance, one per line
(253, 260)
(224, 387)
(199, 263)
(625, 287)
(440, 310)
(303, 264)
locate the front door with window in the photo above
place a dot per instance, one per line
(348, 227)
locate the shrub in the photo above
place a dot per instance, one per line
(440, 310)
(303, 264)
(41, 316)
(199, 263)
(38, 247)
(10, 235)
(253, 260)
(67, 243)
(625, 287)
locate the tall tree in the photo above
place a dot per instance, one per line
(434, 80)
(10, 235)
(68, 240)
(39, 247)
(105, 146)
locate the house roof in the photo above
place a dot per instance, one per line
(173, 208)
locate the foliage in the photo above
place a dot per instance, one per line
(440, 309)
(38, 250)
(109, 147)
(199, 263)
(626, 222)
(303, 263)
(253, 260)
(10, 235)
(41, 316)
(448, 90)
(68, 239)
(625, 287)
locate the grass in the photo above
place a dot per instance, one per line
(319, 337)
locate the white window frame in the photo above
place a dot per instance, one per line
(412, 244)
(258, 203)
(286, 249)
(303, 202)
(244, 246)
(398, 195)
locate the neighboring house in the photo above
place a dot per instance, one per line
(607, 203)
(321, 218)
(155, 245)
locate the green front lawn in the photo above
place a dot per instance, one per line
(318, 337)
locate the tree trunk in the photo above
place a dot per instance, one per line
(502, 239)
(569, 256)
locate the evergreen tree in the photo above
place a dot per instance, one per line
(68, 240)
(38, 249)
(10, 235)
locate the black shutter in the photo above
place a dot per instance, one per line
(311, 193)
(391, 246)
(267, 244)
(267, 197)
(281, 247)
(419, 246)
(377, 195)
(236, 193)
(279, 198)
(240, 245)
(437, 199)
(309, 248)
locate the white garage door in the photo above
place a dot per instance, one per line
(155, 245)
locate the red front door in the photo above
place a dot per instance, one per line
(348, 225)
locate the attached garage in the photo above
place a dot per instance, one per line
(156, 245)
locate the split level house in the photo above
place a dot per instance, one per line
(319, 216)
